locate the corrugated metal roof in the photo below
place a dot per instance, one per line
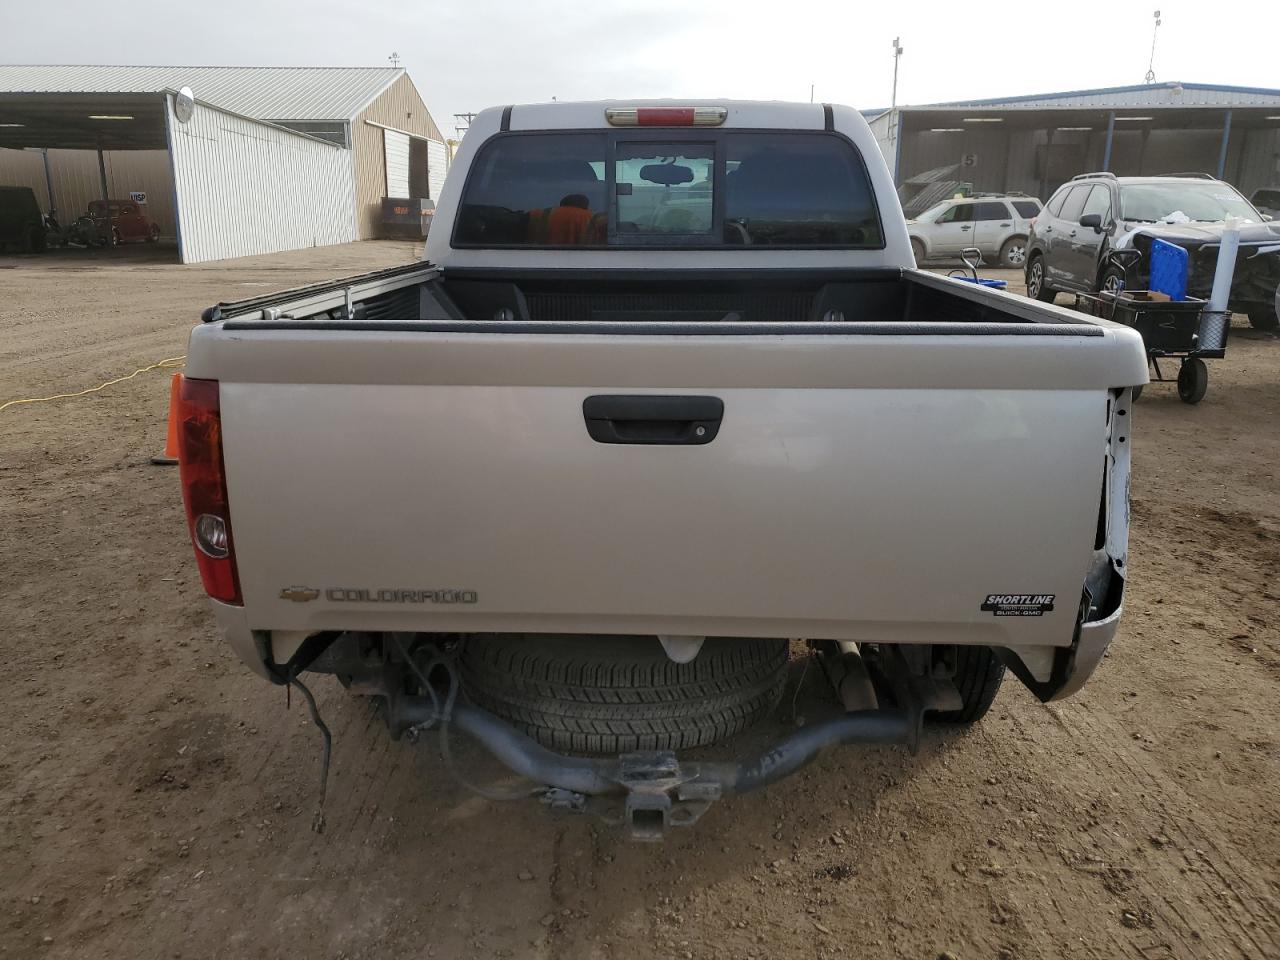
(1170, 94)
(267, 93)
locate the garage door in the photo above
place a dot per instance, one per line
(437, 165)
(396, 146)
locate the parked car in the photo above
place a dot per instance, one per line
(1097, 212)
(125, 221)
(996, 225)
(1267, 201)
(667, 391)
(21, 222)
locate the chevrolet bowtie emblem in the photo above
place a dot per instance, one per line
(299, 594)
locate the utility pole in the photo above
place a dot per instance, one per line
(811, 93)
(461, 121)
(1151, 66)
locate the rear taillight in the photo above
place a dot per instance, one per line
(666, 116)
(204, 487)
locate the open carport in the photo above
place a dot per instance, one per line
(1034, 144)
(221, 183)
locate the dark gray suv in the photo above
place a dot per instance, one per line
(1097, 212)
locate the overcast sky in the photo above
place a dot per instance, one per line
(468, 54)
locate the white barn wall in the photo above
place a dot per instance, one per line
(245, 187)
(437, 167)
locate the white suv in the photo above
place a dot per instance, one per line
(996, 225)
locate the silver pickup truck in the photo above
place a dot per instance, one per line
(667, 398)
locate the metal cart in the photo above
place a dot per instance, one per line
(1171, 330)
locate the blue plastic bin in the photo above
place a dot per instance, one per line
(1168, 269)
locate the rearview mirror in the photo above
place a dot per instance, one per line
(1092, 220)
(667, 174)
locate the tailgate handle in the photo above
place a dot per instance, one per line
(653, 419)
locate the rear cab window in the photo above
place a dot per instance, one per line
(628, 189)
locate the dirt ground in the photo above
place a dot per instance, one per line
(156, 798)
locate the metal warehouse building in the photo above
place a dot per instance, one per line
(1035, 143)
(255, 160)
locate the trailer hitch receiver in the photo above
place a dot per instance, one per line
(661, 794)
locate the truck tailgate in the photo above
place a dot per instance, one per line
(866, 486)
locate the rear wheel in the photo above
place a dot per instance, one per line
(616, 694)
(153, 234)
(1014, 253)
(979, 674)
(1264, 318)
(1193, 380)
(1037, 288)
(917, 251)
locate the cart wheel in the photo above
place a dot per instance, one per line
(1193, 380)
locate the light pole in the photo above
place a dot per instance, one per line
(897, 52)
(1151, 66)
(893, 108)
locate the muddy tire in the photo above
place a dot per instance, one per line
(611, 695)
(979, 674)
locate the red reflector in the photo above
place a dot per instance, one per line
(204, 488)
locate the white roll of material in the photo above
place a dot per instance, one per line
(1226, 268)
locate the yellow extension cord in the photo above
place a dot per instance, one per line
(163, 364)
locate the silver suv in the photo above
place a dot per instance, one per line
(997, 225)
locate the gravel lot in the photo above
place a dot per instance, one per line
(155, 798)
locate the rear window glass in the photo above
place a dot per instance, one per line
(626, 189)
(664, 189)
(1027, 208)
(798, 190)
